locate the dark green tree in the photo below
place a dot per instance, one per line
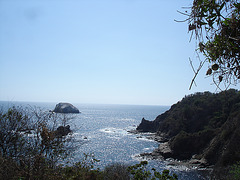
(215, 25)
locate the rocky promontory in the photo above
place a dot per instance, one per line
(65, 108)
(203, 128)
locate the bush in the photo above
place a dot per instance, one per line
(139, 172)
(117, 171)
(235, 171)
(28, 143)
(82, 169)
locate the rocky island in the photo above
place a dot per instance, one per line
(203, 128)
(65, 108)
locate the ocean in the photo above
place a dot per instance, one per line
(103, 130)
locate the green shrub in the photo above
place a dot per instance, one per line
(82, 170)
(116, 171)
(140, 172)
(28, 143)
(235, 171)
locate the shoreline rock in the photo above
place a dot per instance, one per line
(164, 153)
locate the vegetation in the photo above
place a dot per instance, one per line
(235, 171)
(29, 146)
(116, 171)
(139, 172)
(209, 118)
(215, 25)
(196, 112)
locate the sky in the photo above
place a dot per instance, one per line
(97, 51)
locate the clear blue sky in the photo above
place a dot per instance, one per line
(96, 51)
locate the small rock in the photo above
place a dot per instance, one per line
(165, 150)
(62, 131)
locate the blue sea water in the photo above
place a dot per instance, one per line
(103, 131)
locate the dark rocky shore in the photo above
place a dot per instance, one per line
(164, 153)
(200, 131)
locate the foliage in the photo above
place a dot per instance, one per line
(29, 144)
(203, 118)
(198, 112)
(216, 26)
(82, 169)
(116, 171)
(190, 146)
(139, 172)
(235, 171)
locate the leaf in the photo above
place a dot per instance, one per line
(220, 78)
(215, 67)
(199, 2)
(191, 27)
(209, 71)
(201, 47)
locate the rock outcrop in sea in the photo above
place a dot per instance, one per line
(62, 131)
(203, 128)
(65, 108)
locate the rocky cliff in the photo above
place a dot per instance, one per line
(205, 126)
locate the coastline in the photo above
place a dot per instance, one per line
(163, 153)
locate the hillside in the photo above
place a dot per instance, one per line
(205, 126)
